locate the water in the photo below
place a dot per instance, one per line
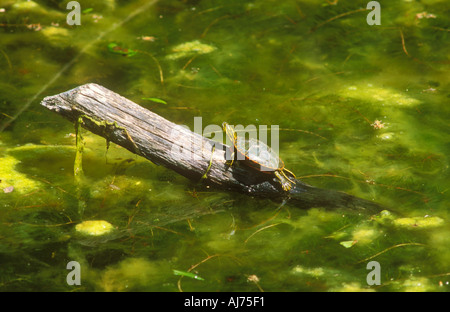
(361, 109)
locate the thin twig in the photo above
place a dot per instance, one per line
(193, 267)
(360, 181)
(265, 221)
(403, 43)
(211, 24)
(216, 71)
(439, 28)
(330, 74)
(257, 231)
(7, 58)
(47, 225)
(161, 76)
(189, 62)
(203, 261)
(336, 17)
(387, 249)
(210, 10)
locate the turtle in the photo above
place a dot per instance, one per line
(258, 155)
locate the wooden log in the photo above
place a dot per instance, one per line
(147, 134)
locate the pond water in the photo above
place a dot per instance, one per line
(361, 108)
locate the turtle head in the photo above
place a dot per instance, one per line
(229, 131)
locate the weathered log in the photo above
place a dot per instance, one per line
(147, 134)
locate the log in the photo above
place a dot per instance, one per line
(149, 135)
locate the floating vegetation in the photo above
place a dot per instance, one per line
(383, 96)
(57, 36)
(188, 274)
(87, 10)
(12, 179)
(117, 49)
(348, 244)
(131, 274)
(314, 272)
(189, 49)
(365, 235)
(156, 100)
(419, 222)
(426, 221)
(352, 287)
(94, 227)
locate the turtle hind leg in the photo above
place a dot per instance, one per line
(284, 181)
(230, 162)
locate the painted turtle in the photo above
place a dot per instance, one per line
(258, 155)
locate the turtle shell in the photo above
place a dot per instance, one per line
(258, 154)
(254, 152)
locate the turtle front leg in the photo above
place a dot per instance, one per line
(229, 162)
(205, 176)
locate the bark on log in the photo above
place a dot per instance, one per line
(147, 134)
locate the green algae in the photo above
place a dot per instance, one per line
(417, 222)
(11, 177)
(189, 49)
(94, 227)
